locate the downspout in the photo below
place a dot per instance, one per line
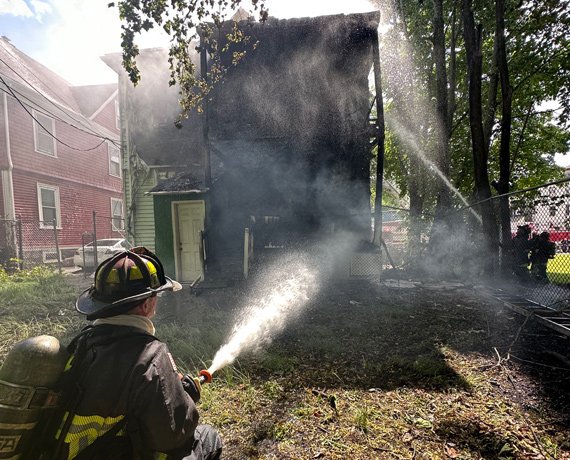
(7, 182)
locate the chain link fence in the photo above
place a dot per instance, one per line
(26, 242)
(540, 245)
(533, 261)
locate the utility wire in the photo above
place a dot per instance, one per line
(42, 94)
(494, 197)
(43, 127)
(92, 131)
(94, 134)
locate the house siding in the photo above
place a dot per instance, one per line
(84, 158)
(144, 222)
(76, 205)
(107, 117)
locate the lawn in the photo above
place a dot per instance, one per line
(368, 370)
(558, 269)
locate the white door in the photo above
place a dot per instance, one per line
(190, 225)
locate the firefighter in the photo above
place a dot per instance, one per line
(123, 395)
(542, 250)
(521, 247)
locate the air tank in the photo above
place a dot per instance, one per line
(28, 379)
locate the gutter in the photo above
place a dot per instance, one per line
(177, 192)
(6, 174)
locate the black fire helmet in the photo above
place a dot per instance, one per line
(122, 281)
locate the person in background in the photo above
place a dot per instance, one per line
(123, 395)
(521, 247)
(541, 252)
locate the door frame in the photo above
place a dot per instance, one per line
(175, 234)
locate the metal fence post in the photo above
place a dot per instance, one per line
(246, 253)
(95, 261)
(56, 245)
(20, 243)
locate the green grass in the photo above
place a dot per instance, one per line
(36, 302)
(395, 375)
(558, 269)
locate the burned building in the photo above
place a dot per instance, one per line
(282, 149)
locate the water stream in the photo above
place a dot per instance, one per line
(285, 290)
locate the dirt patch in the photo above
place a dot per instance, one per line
(384, 370)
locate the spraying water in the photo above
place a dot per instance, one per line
(408, 138)
(287, 289)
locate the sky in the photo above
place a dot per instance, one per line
(68, 36)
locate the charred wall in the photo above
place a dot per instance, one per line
(290, 122)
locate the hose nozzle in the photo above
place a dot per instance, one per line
(204, 377)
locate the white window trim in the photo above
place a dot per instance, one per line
(36, 126)
(55, 189)
(110, 146)
(113, 228)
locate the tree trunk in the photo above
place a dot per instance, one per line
(506, 122)
(472, 38)
(442, 128)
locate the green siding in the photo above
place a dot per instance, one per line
(163, 227)
(144, 217)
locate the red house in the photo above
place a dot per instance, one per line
(60, 161)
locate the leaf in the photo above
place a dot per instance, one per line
(450, 451)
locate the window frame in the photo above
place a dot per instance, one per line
(110, 147)
(114, 228)
(55, 189)
(37, 126)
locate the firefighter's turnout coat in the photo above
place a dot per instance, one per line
(124, 386)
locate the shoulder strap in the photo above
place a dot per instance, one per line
(73, 391)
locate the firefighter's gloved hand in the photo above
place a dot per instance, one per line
(192, 387)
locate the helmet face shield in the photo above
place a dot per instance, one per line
(126, 278)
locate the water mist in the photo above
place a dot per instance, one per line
(283, 293)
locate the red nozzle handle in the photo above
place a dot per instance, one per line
(205, 376)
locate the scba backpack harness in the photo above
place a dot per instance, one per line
(40, 390)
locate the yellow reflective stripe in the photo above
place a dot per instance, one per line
(83, 431)
(160, 456)
(68, 363)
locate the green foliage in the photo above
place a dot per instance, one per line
(186, 22)
(538, 51)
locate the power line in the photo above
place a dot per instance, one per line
(43, 127)
(93, 132)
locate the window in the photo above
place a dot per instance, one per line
(117, 115)
(44, 134)
(48, 205)
(117, 214)
(114, 160)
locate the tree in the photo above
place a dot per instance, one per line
(190, 24)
